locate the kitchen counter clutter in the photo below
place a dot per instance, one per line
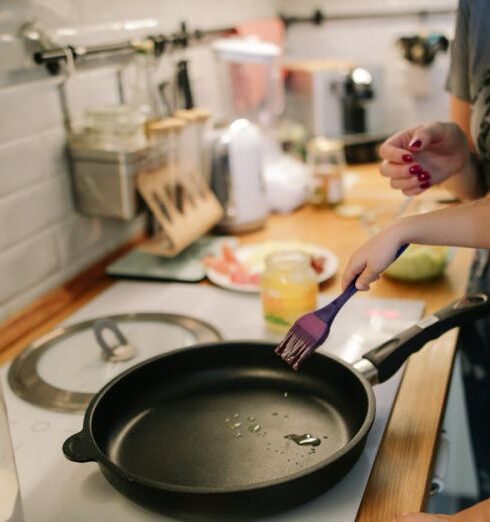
(403, 457)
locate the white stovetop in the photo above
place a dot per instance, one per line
(56, 490)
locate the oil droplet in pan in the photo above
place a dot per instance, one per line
(304, 440)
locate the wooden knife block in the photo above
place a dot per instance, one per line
(185, 209)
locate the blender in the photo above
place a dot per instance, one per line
(251, 99)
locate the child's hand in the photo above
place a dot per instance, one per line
(417, 158)
(371, 259)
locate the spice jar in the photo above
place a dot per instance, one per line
(289, 289)
(326, 161)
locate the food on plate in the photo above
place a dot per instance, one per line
(228, 264)
(245, 268)
(419, 263)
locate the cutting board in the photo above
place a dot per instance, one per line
(185, 267)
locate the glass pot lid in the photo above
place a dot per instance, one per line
(63, 370)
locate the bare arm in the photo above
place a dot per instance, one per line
(463, 225)
(468, 184)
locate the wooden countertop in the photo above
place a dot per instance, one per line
(400, 478)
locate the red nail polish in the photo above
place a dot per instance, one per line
(423, 176)
(407, 158)
(415, 169)
(416, 144)
(425, 185)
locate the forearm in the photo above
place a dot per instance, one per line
(467, 184)
(464, 225)
(478, 513)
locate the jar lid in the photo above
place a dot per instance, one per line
(288, 259)
(323, 144)
(110, 116)
(186, 115)
(165, 126)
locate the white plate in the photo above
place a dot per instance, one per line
(253, 256)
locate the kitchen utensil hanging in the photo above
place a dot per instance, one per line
(62, 370)
(176, 193)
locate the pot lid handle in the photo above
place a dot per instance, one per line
(122, 350)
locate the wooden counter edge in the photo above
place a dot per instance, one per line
(401, 476)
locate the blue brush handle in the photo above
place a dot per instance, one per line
(327, 313)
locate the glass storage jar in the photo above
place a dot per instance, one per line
(289, 289)
(326, 160)
(115, 128)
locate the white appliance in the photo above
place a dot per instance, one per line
(315, 99)
(237, 177)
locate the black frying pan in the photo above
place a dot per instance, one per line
(165, 432)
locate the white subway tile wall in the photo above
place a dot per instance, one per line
(43, 240)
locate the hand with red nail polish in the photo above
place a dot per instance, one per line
(440, 149)
(423, 176)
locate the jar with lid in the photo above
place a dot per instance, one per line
(289, 289)
(326, 160)
(114, 128)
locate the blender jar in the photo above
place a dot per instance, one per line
(250, 79)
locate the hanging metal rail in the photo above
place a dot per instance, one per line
(52, 58)
(318, 17)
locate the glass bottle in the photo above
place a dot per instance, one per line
(145, 96)
(326, 161)
(289, 289)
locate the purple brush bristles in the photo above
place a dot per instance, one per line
(307, 333)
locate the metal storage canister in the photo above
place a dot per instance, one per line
(104, 180)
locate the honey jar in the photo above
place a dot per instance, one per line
(289, 289)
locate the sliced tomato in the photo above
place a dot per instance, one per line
(228, 254)
(218, 264)
(318, 264)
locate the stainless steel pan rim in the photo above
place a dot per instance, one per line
(26, 383)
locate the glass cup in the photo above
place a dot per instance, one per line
(326, 161)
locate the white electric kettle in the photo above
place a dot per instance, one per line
(237, 176)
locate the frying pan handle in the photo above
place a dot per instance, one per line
(79, 448)
(389, 356)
